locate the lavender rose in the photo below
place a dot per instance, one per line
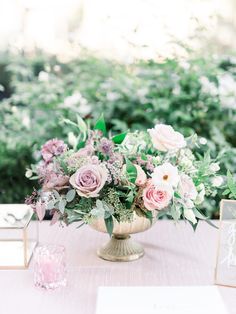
(89, 180)
(53, 148)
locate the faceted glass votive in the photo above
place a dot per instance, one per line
(50, 266)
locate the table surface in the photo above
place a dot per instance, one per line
(174, 256)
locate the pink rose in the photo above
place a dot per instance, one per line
(89, 180)
(165, 138)
(141, 176)
(53, 148)
(157, 196)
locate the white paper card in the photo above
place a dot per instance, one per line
(160, 300)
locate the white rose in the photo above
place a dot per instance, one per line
(217, 181)
(214, 167)
(165, 138)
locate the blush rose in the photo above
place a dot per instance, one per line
(157, 196)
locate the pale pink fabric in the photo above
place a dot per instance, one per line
(175, 255)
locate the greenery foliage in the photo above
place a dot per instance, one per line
(38, 93)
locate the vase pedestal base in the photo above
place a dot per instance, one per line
(121, 248)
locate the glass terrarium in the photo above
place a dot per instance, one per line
(18, 236)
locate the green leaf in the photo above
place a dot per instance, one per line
(231, 185)
(56, 194)
(82, 126)
(63, 165)
(50, 205)
(226, 192)
(34, 178)
(176, 194)
(199, 215)
(101, 125)
(131, 171)
(81, 225)
(175, 213)
(62, 205)
(102, 210)
(207, 157)
(73, 218)
(70, 195)
(119, 138)
(79, 212)
(161, 214)
(194, 226)
(229, 175)
(130, 197)
(148, 215)
(68, 121)
(144, 157)
(211, 223)
(109, 225)
(80, 145)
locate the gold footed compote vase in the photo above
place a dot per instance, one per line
(121, 247)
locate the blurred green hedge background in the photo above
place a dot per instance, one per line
(37, 92)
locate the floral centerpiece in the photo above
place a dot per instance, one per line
(121, 184)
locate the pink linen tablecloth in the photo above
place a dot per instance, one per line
(175, 255)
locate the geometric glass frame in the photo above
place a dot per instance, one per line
(18, 236)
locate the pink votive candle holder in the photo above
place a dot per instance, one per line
(50, 266)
